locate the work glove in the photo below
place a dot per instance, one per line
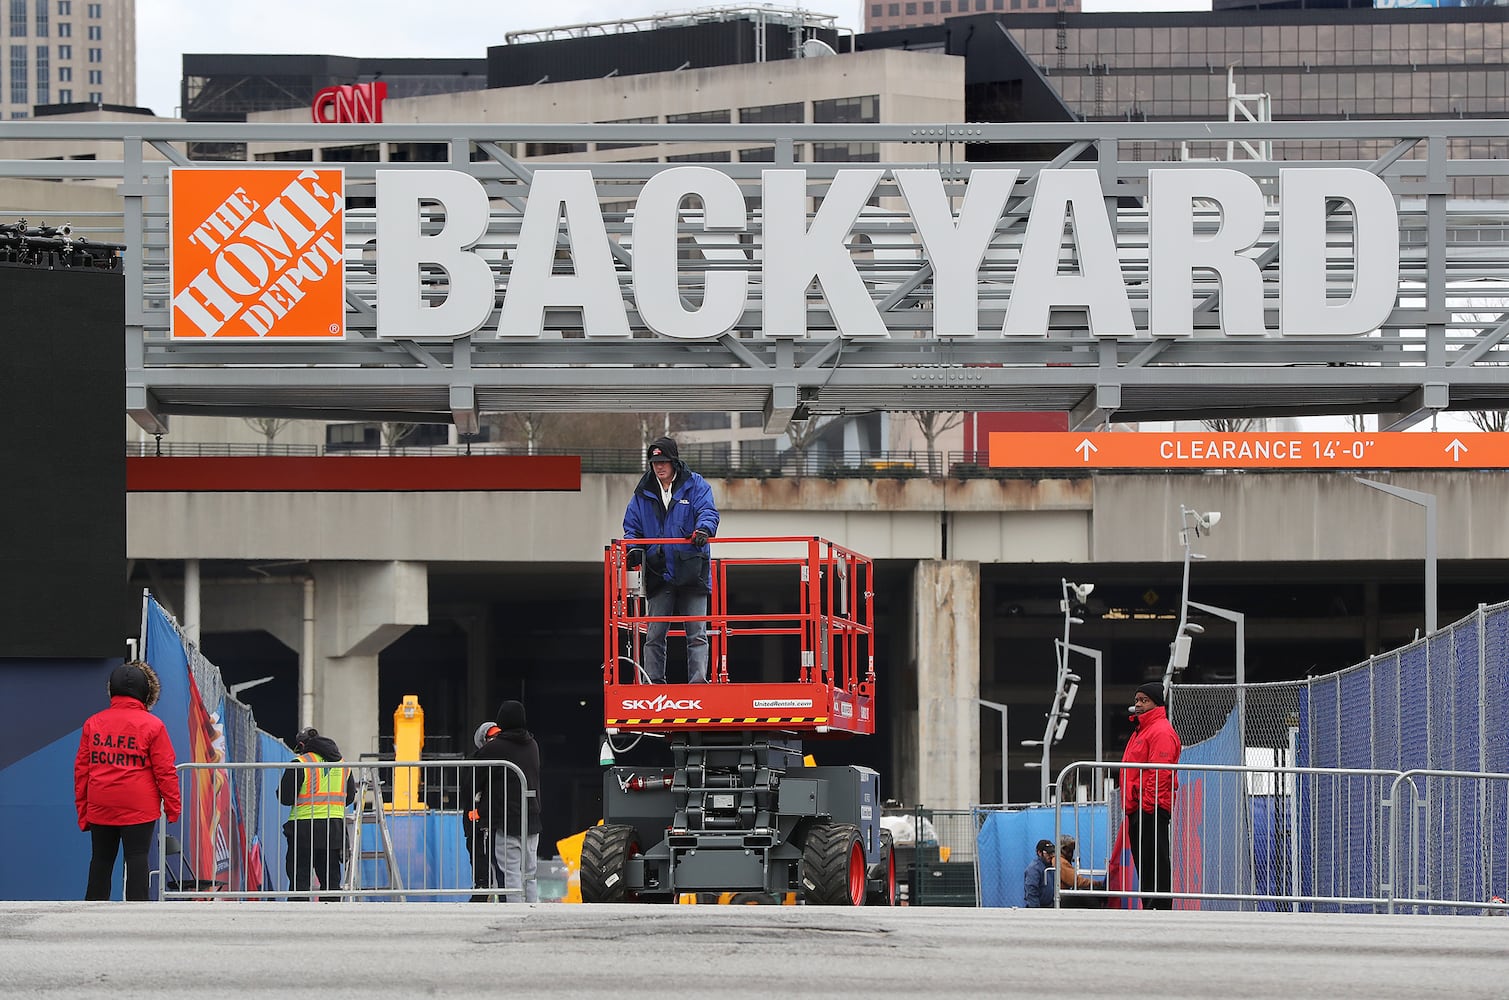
(636, 558)
(699, 537)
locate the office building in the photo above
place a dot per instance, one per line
(68, 52)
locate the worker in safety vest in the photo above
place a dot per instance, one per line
(316, 826)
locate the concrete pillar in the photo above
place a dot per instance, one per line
(360, 608)
(947, 667)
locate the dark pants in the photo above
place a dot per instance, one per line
(479, 845)
(106, 842)
(1147, 835)
(315, 845)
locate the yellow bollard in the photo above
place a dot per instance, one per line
(408, 743)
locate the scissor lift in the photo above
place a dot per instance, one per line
(738, 811)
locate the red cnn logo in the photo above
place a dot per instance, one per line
(350, 104)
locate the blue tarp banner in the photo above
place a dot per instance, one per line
(430, 848)
(1007, 840)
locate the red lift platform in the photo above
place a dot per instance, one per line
(828, 635)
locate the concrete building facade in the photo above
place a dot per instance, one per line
(68, 52)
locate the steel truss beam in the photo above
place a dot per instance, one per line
(1441, 348)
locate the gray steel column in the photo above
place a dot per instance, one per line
(1428, 501)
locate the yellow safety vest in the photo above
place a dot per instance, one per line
(326, 799)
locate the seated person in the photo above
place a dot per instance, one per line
(1037, 890)
(1070, 878)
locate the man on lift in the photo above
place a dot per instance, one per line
(672, 501)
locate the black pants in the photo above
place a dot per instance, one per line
(314, 845)
(106, 842)
(1147, 835)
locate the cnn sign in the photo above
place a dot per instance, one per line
(350, 104)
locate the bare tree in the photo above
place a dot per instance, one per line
(268, 427)
(531, 428)
(933, 423)
(1489, 420)
(1234, 425)
(393, 433)
(1358, 422)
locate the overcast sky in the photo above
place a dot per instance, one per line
(166, 29)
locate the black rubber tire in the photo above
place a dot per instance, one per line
(827, 865)
(606, 851)
(883, 874)
(754, 899)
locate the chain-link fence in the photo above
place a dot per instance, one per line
(1439, 703)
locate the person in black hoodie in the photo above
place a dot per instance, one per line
(316, 827)
(516, 845)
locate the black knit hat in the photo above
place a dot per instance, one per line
(1154, 692)
(662, 449)
(1045, 845)
(511, 715)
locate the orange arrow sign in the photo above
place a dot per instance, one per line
(1308, 450)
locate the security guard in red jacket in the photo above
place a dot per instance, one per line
(123, 779)
(1148, 796)
(316, 826)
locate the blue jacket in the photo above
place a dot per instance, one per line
(692, 507)
(1036, 889)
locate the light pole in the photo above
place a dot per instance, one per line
(1192, 524)
(1240, 620)
(1428, 501)
(996, 706)
(1066, 684)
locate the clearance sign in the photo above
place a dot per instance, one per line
(258, 253)
(1309, 450)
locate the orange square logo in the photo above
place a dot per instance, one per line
(258, 253)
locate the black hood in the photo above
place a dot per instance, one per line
(310, 741)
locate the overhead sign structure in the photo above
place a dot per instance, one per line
(1309, 450)
(258, 253)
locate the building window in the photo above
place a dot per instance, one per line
(927, 7)
(946, 6)
(65, 74)
(18, 91)
(41, 18)
(20, 114)
(65, 29)
(893, 10)
(96, 78)
(876, 8)
(44, 76)
(712, 156)
(999, 5)
(94, 9)
(65, 51)
(65, 95)
(700, 118)
(553, 148)
(647, 120)
(96, 55)
(847, 110)
(773, 114)
(911, 9)
(18, 18)
(95, 97)
(96, 33)
(65, 8)
(846, 152)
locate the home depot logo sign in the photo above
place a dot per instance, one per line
(258, 253)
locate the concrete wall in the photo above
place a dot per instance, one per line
(1106, 519)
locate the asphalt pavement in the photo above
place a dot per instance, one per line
(339, 950)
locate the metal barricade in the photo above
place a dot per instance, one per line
(1450, 833)
(1273, 837)
(235, 840)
